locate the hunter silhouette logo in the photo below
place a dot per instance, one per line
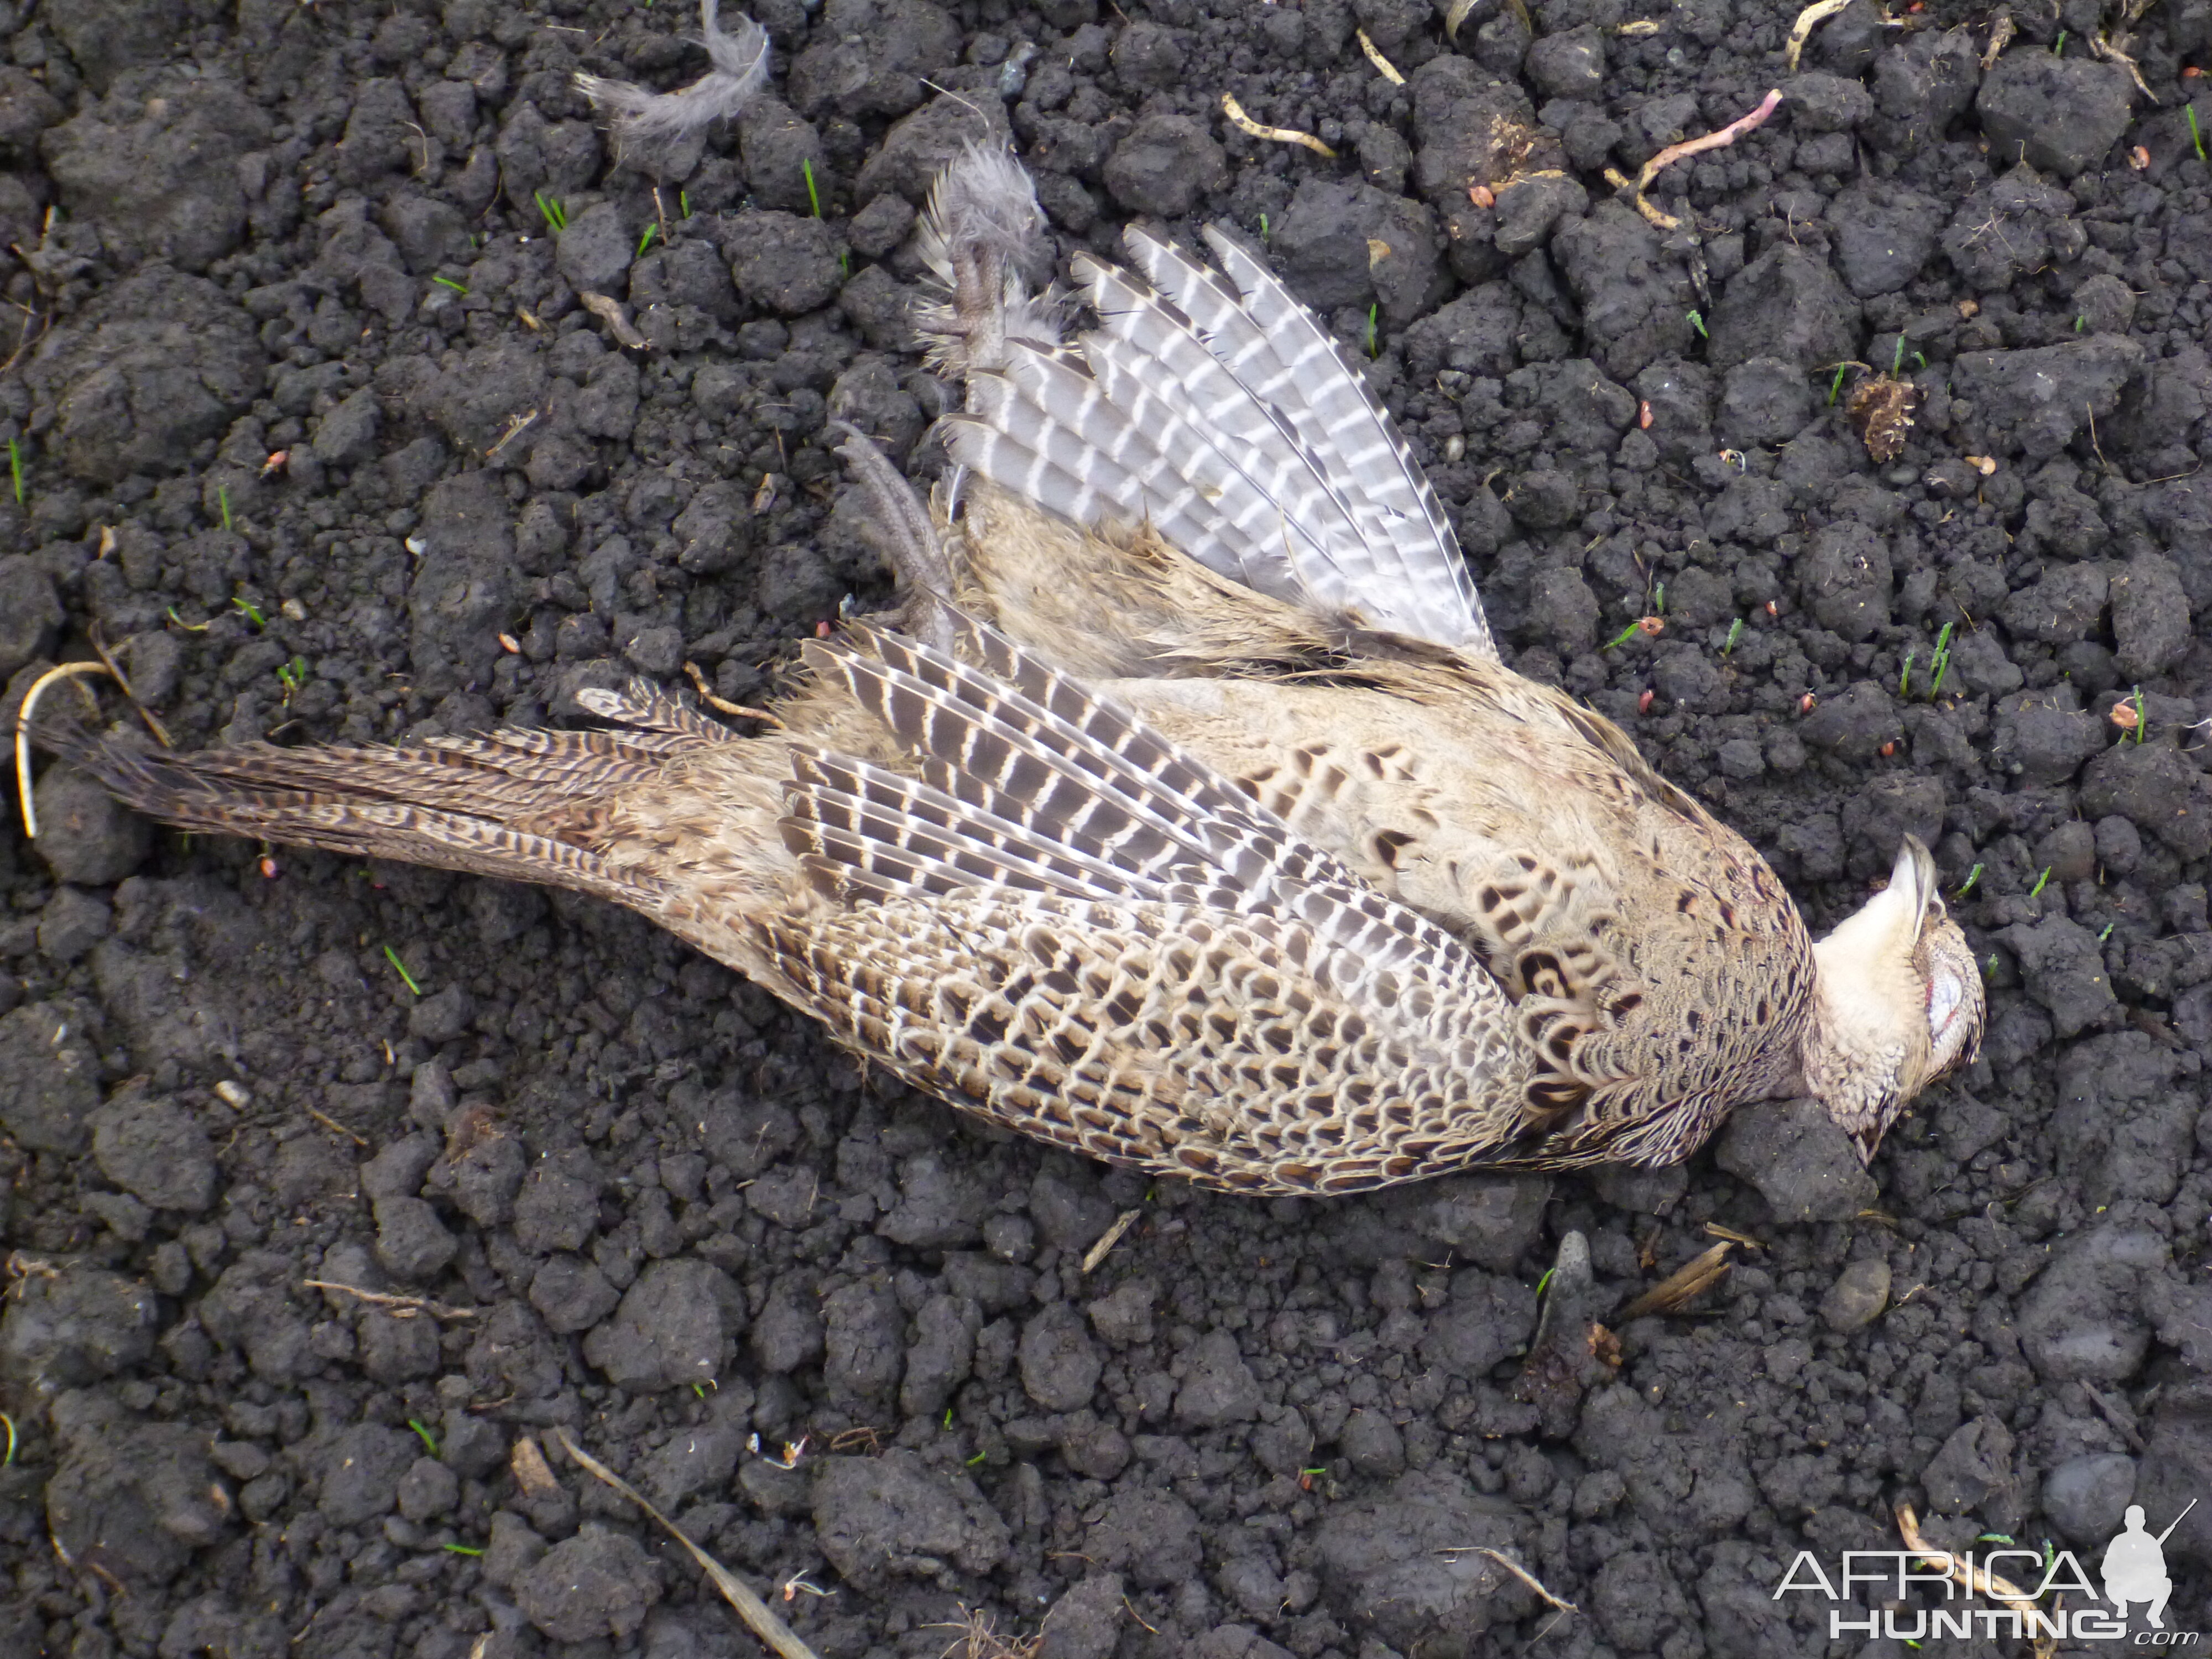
(2041, 1593)
(2135, 1566)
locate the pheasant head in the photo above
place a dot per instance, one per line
(1898, 1003)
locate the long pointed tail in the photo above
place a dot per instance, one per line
(522, 805)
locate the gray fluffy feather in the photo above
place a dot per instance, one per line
(644, 120)
(982, 228)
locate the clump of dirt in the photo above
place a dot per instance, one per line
(354, 391)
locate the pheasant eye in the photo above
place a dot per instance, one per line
(1944, 996)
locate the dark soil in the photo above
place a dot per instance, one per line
(650, 1207)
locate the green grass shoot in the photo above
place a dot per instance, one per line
(1374, 333)
(2141, 722)
(555, 214)
(1625, 633)
(460, 1549)
(683, 204)
(1941, 660)
(2040, 881)
(222, 501)
(1544, 1283)
(252, 613)
(400, 968)
(813, 195)
(188, 627)
(1698, 322)
(2058, 46)
(8, 1459)
(977, 1458)
(1904, 678)
(292, 675)
(448, 281)
(2196, 133)
(16, 469)
(646, 241)
(1967, 885)
(1735, 633)
(424, 1434)
(2107, 933)
(1836, 384)
(1897, 358)
(1659, 598)
(1265, 233)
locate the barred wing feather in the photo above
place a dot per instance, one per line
(1072, 926)
(1212, 405)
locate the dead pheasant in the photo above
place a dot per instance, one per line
(1187, 817)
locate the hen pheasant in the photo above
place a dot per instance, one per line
(1184, 815)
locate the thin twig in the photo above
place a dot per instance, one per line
(336, 1127)
(1529, 1579)
(723, 704)
(1245, 124)
(1718, 140)
(1808, 20)
(67, 671)
(1390, 69)
(1698, 1274)
(161, 732)
(1976, 1580)
(1122, 1222)
(759, 1618)
(402, 1307)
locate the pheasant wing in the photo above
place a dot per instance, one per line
(1072, 927)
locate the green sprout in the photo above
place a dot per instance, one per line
(16, 468)
(1836, 384)
(1698, 322)
(2102, 937)
(460, 1549)
(406, 978)
(1994, 1538)
(222, 500)
(252, 613)
(2139, 721)
(448, 281)
(1905, 677)
(2058, 46)
(1897, 358)
(2195, 134)
(2081, 324)
(8, 1458)
(1941, 661)
(1735, 633)
(292, 675)
(813, 196)
(1625, 633)
(555, 214)
(1317, 1470)
(973, 1461)
(948, 1417)
(1374, 339)
(646, 241)
(700, 1389)
(2039, 881)
(1967, 885)
(1659, 598)
(1544, 1283)
(1265, 233)
(683, 204)
(424, 1434)
(188, 627)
